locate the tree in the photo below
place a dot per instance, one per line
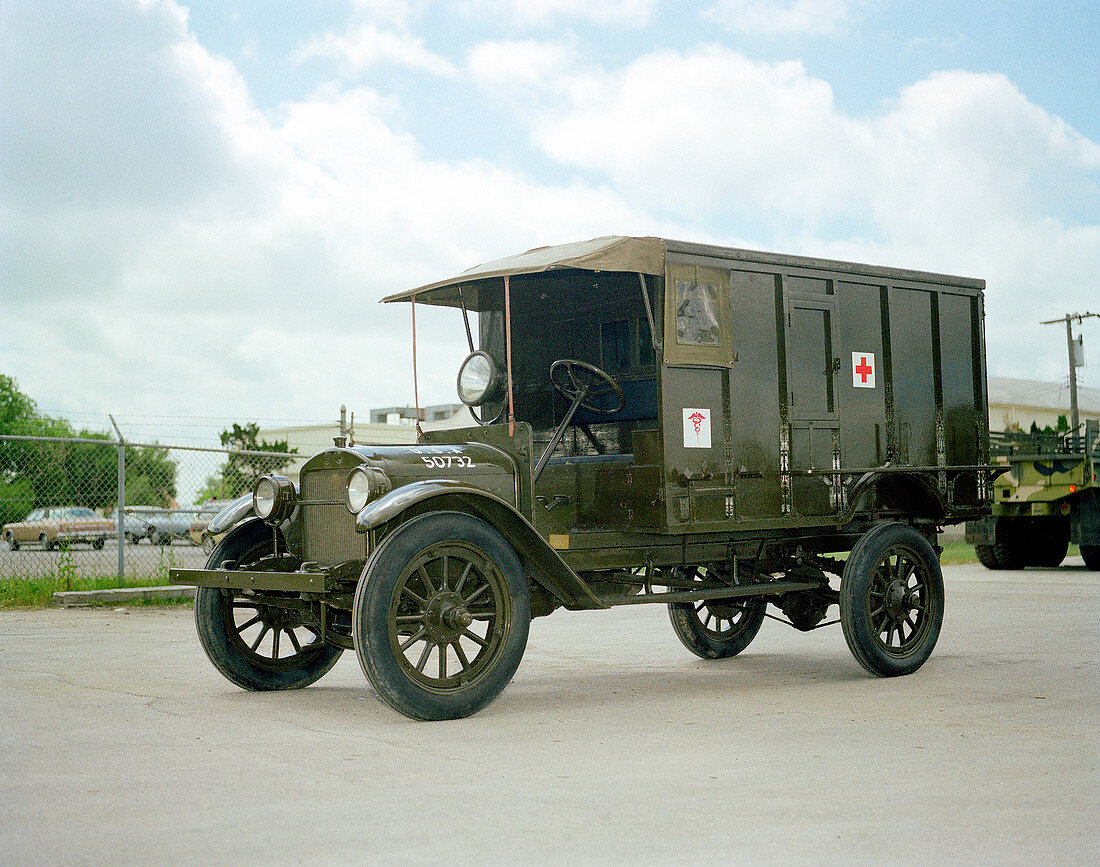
(35, 474)
(243, 468)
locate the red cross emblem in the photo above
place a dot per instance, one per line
(863, 369)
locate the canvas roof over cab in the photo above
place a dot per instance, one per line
(611, 253)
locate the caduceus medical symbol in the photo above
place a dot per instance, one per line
(697, 419)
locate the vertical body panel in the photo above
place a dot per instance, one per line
(863, 421)
(812, 394)
(913, 375)
(754, 393)
(695, 462)
(960, 400)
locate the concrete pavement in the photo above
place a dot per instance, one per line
(121, 743)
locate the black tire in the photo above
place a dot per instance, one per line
(47, 545)
(12, 544)
(1048, 542)
(98, 544)
(717, 629)
(1007, 552)
(444, 588)
(1090, 554)
(891, 586)
(244, 637)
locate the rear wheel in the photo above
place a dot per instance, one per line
(1049, 542)
(891, 600)
(719, 628)
(259, 641)
(441, 616)
(1007, 552)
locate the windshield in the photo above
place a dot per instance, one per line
(597, 318)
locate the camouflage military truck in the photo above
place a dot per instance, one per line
(711, 429)
(1049, 497)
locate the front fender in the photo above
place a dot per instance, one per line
(390, 505)
(542, 562)
(235, 512)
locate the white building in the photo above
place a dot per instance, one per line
(1017, 403)
(387, 426)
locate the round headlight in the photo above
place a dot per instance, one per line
(273, 498)
(478, 379)
(263, 497)
(360, 490)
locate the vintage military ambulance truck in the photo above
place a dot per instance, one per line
(712, 429)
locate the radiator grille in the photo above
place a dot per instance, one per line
(328, 528)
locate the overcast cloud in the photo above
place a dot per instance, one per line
(178, 241)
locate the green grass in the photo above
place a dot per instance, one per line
(38, 591)
(956, 552)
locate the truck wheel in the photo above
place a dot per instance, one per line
(1049, 543)
(1091, 555)
(441, 616)
(1006, 552)
(256, 644)
(891, 600)
(717, 629)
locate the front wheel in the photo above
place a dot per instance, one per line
(259, 641)
(891, 600)
(441, 616)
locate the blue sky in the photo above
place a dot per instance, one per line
(201, 203)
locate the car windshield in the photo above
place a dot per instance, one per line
(597, 318)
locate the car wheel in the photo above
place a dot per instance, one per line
(45, 542)
(441, 616)
(891, 600)
(717, 629)
(252, 639)
(98, 544)
(9, 537)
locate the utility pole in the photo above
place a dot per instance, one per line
(1075, 419)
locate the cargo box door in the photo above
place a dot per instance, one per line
(812, 365)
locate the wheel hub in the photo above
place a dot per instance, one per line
(280, 618)
(447, 617)
(897, 600)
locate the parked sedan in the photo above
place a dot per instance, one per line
(202, 519)
(59, 525)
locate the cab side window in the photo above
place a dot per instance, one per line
(697, 314)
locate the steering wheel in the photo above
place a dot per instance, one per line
(581, 382)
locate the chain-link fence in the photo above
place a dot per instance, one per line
(100, 507)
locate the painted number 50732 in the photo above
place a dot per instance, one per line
(447, 461)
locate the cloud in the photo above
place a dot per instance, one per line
(521, 64)
(209, 255)
(785, 17)
(367, 46)
(542, 13)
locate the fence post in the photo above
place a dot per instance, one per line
(120, 512)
